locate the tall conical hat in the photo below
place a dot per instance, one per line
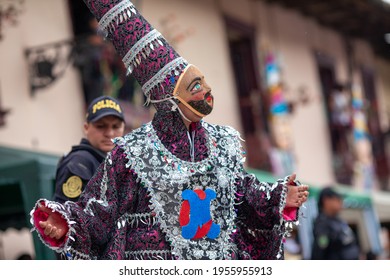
(146, 54)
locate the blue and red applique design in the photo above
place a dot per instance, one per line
(195, 218)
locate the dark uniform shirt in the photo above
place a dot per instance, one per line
(333, 240)
(75, 169)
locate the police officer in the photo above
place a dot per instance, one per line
(104, 121)
(333, 238)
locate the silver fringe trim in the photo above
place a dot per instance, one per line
(136, 164)
(72, 254)
(55, 207)
(142, 49)
(115, 16)
(255, 231)
(288, 225)
(173, 66)
(103, 189)
(148, 255)
(136, 219)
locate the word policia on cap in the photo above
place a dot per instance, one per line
(103, 104)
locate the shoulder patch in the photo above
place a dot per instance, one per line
(323, 241)
(72, 187)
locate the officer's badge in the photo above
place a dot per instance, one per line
(72, 187)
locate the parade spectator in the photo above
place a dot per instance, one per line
(333, 238)
(104, 122)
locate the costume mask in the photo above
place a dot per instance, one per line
(193, 91)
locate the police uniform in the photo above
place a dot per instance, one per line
(333, 238)
(75, 169)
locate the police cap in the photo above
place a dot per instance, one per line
(104, 106)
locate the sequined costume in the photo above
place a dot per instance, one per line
(167, 191)
(131, 207)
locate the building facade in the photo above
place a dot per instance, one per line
(305, 97)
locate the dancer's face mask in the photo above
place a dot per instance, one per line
(193, 92)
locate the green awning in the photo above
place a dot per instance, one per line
(352, 198)
(25, 177)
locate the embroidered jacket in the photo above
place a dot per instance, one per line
(165, 193)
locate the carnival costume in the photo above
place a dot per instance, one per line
(165, 191)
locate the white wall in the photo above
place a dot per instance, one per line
(206, 48)
(293, 37)
(51, 120)
(14, 243)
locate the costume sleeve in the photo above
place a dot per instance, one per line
(260, 204)
(266, 201)
(261, 216)
(93, 219)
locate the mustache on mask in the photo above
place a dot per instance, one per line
(201, 105)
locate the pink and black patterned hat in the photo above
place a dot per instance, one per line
(144, 51)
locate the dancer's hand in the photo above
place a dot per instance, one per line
(296, 195)
(54, 226)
